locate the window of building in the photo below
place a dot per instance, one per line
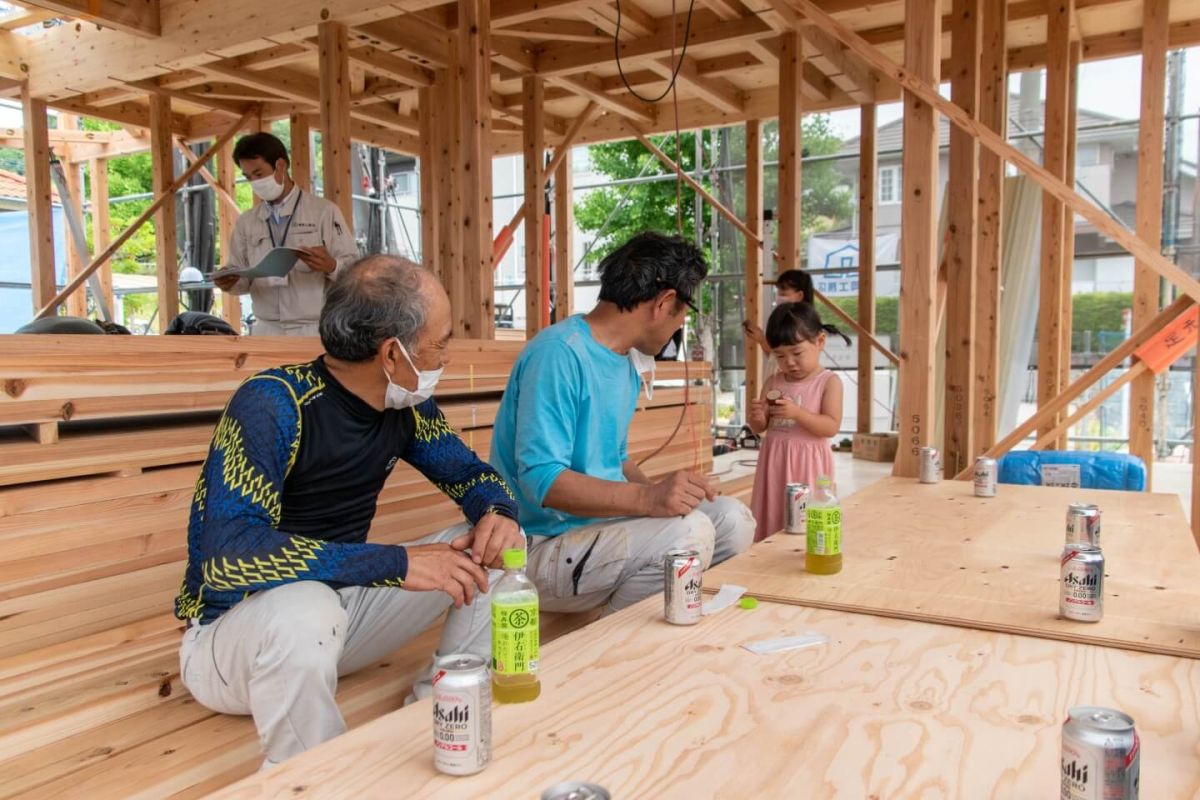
(889, 185)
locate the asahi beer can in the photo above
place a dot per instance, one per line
(1081, 588)
(796, 509)
(987, 472)
(1101, 755)
(462, 714)
(931, 465)
(1083, 524)
(682, 575)
(576, 790)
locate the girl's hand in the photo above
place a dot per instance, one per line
(758, 413)
(785, 408)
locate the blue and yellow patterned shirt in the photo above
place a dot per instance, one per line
(291, 482)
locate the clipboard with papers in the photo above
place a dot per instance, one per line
(275, 264)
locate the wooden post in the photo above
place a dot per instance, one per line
(754, 255)
(1054, 159)
(162, 158)
(1195, 439)
(37, 199)
(430, 169)
(867, 167)
(533, 122)
(474, 313)
(993, 112)
(1148, 214)
(963, 230)
(73, 203)
(231, 304)
(791, 69)
(918, 260)
(302, 152)
(564, 235)
(446, 112)
(1069, 215)
(102, 225)
(335, 116)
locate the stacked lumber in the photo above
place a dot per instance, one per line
(93, 513)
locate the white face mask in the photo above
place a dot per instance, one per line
(645, 366)
(399, 397)
(267, 188)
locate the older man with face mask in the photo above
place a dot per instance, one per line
(287, 217)
(282, 592)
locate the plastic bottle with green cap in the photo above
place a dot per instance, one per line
(824, 529)
(515, 637)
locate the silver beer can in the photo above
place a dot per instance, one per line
(462, 714)
(576, 790)
(1083, 524)
(682, 576)
(795, 509)
(931, 465)
(1081, 588)
(1101, 755)
(987, 473)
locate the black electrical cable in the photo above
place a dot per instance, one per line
(687, 32)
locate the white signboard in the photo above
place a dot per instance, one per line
(1064, 475)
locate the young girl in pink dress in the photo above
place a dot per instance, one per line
(800, 410)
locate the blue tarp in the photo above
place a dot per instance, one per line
(16, 305)
(1096, 470)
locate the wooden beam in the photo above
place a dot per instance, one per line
(383, 63)
(474, 316)
(162, 161)
(421, 39)
(718, 91)
(516, 12)
(592, 88)
(1054, 159)
(1085, 381)
(429, 167)
(754, 255)
(555, 30)
(918, 257)
(101, 222)
(231, 304)
(335, 117)
(301, 159)
(536, 291)
(37, 198)
(564, 235)
(569, 57)
(52, 305)
(72, 175)
(846, 72)
(228, 107)
(140, 18)
(867, 167)
(1148, 215)
(788, 212)
(993, 113)
(962, 234)
(928, 93)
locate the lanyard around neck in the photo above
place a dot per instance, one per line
(288, 227)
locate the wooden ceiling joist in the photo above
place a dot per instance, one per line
(558, 30)
(519, 12)
(590, 87)
(139, 17)
(419, 39)
(717, 91)
(229, 107)
(385, 64)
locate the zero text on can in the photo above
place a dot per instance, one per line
(1081, 588)
(1101, 755)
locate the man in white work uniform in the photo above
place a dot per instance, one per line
(287, 217)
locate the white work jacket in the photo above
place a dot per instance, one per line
(305, 221)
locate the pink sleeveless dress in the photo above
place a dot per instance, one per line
(789, 454)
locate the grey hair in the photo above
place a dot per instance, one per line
(374, 299)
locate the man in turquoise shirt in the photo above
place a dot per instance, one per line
(598, 527)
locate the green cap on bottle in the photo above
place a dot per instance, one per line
(514, 558)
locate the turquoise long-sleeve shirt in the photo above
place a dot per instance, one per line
(568, 405)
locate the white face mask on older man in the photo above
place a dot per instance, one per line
(399, 397)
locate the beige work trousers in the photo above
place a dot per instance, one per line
(278, 654)
(617, 562)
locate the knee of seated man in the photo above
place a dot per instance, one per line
(734, 523)
(693, 532)
(306, 624)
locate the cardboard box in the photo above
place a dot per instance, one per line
(876, 446)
